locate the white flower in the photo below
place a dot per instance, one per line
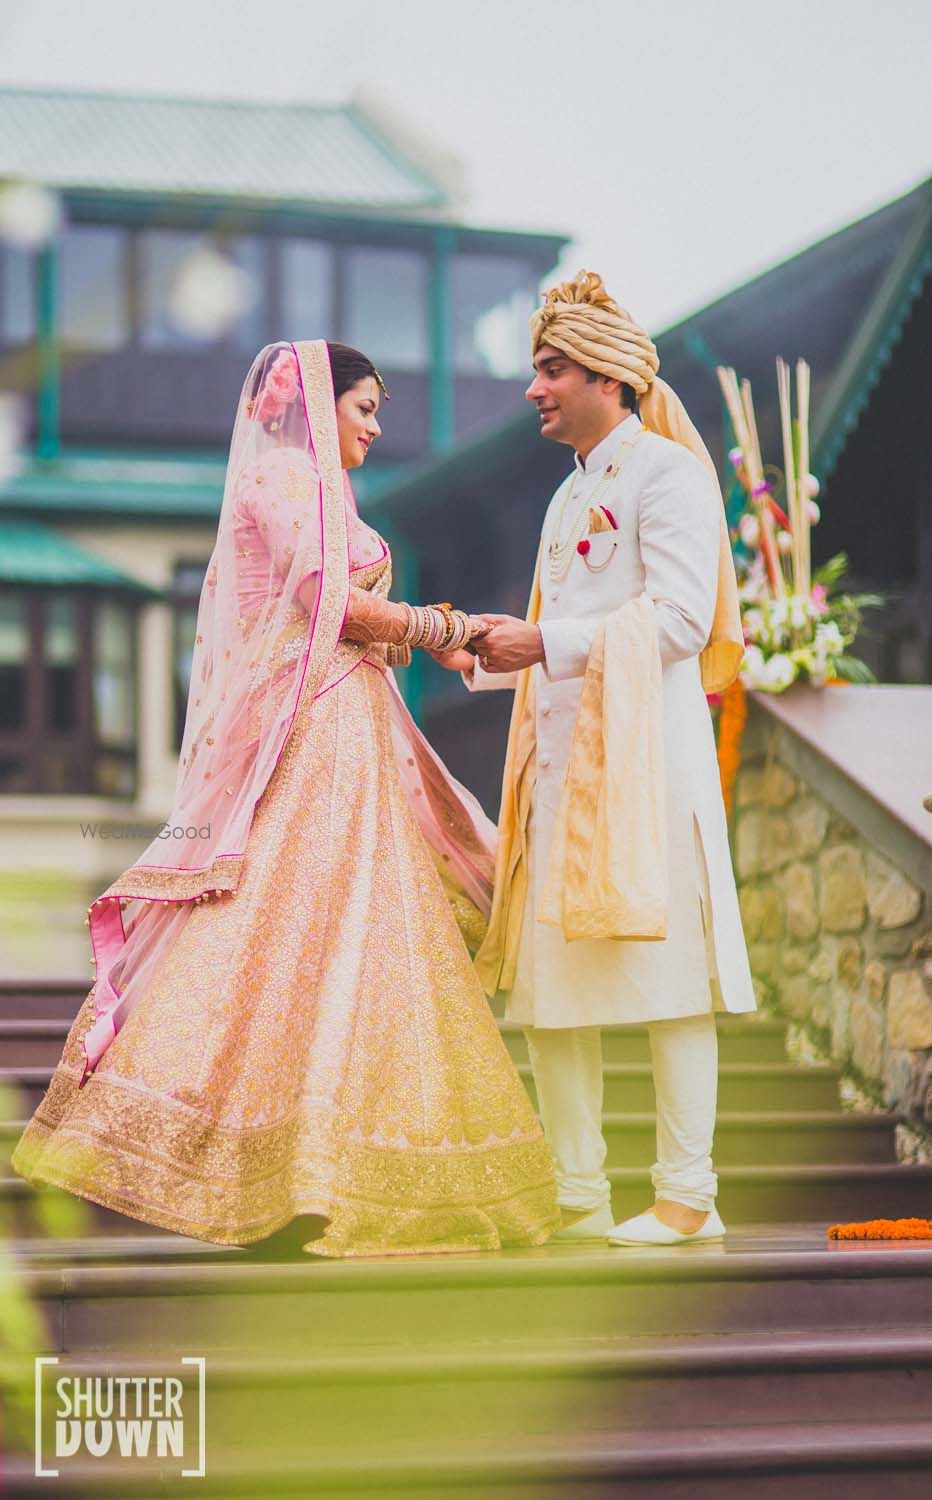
(784, 542)
(779, 672)
(753, 622)
(775, 622)
(829, 639)
(811, 486)
(799, 613)
(753, 586)
(29, 214)
(815, 514)
(753, 667)
(210, 293)
(749, 530)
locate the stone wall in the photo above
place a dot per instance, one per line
(840, 939)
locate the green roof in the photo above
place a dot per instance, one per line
(119, 485)
(32, 554)
(186, 487)
(299, 153)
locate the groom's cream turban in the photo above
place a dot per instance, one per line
(582, 320)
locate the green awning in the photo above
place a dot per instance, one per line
(35, 556)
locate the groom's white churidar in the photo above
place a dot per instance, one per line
(666, 543)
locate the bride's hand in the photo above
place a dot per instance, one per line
(463, 660)
(454, 661)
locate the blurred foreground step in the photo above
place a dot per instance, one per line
(762, 1281)
(696, 1463)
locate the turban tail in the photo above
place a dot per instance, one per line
(583, 321)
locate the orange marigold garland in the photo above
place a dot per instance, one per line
(732, 718)
(883, 1229)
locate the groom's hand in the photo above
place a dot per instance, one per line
(510, 644)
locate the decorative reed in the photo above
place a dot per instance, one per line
(740, 406)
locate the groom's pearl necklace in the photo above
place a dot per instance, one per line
(563, 548)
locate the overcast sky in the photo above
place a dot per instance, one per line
(684, 145)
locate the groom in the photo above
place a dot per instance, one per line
(615, 899)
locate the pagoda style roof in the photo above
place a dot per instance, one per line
(302, 154)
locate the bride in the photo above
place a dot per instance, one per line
(285, 1020)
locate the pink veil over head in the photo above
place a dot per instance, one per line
(288, 518)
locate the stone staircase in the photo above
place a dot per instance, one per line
(773, 1365)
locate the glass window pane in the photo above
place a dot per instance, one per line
(386, 306)
(162, 254)
(14, 649)
(17, 295)
(92, 286)
(60, 651)
(248, 333)
(306, 269)
(493, 297)
(114, 685)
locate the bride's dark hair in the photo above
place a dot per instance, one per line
(348, 366)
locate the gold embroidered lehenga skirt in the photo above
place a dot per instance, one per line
(317, 1043)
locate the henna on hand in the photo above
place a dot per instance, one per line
(369, 618)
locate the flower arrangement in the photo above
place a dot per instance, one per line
(796, 623)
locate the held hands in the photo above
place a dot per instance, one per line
(463, 660)
(506, 645)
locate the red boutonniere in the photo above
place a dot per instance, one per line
(583, 547)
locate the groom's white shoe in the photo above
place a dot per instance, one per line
(647, 1229)
(593, 1229)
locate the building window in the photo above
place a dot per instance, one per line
(114, 698)
(186, 592)
(306, 278)
(386, 306)
(14, 652)
(114, 687)
(67, 693)
(249, 331)
(60, 651)
(17, 295)
(492, 298)
(162, 254)
(93, 286)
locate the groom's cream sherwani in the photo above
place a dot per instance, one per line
(666, 545)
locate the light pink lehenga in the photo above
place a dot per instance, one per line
(314, 1041)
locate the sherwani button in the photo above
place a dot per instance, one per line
(544, 761)
(545, 709)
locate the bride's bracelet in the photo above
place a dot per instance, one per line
(435, 627)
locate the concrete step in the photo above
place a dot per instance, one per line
(33, 1041)
(775, 1193)
(752, 1038)
(697, 1463)
(628, 1086)
(762, 1281)
(741, 1086)
(768, 1138)
(41, 999)
(745, 1038)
